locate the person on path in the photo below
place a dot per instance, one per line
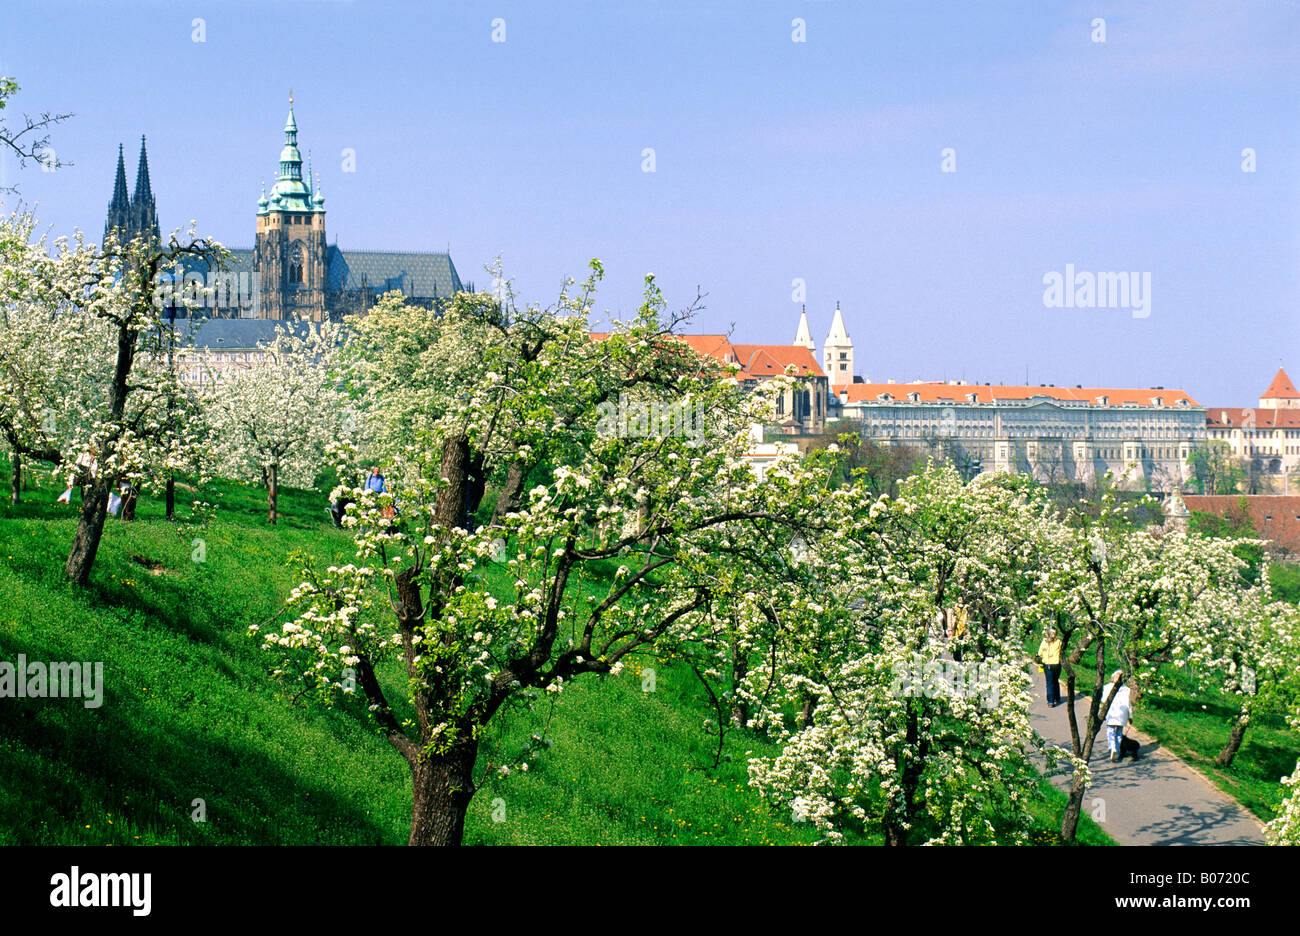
(376, 481)
(1049, 657)
(1117, 716)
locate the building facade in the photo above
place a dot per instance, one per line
(1055, 434)
(800, 410)
(1266, 438)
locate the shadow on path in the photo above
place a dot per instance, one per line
(1155, 800)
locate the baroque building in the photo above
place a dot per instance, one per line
(1056, 434)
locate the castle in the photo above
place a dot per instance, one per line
(292, 273)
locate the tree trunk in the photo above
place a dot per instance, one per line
(1073, 807)
(739, 670)
(806, 712)
(511, 493)
(1083, 745)
(449, 510)
(171, 497)
(912, 757)
(90, 529)
(128, 504)
(17, 477)
(443, 786)
(272, 491)
(1235, 737)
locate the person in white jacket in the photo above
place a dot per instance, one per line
(1118, 715)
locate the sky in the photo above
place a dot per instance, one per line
(776, 162)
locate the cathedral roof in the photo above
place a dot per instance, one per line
(419, 275)
(221, 334)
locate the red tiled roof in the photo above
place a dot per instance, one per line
(1281, 388)
(1275, 517)
(755, 360)
(1225, 417)
(933, 392)
(771, 360)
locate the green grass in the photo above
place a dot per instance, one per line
(189, 712)
(1196, 729)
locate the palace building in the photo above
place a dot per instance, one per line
(1056, 434)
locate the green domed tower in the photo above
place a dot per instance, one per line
(290, 252)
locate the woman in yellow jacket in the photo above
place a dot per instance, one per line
(1049, 655)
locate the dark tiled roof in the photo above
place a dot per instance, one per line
(233, 333)
(419, 275)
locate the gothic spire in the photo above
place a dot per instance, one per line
(119, 209)
(121, 201)
(143, 192)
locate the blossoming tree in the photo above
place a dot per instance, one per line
(273, 420)
(84, 378)
(1143, 596)
(902, 738)
(614, 552)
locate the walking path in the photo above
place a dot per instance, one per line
(1156, 800)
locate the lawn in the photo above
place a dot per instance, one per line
(191, 727)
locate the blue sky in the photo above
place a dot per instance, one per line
(774, 160)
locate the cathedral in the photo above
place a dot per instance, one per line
(136, 215)
(292, 273)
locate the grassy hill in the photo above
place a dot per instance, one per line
(189, 713)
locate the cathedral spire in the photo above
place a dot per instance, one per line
(121, 201)
(143, 192)
(144, 212)
(119, 209)
(291, 191)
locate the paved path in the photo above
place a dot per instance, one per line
(1157, 800)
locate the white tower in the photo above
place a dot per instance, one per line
(804, 337)
(837, 353)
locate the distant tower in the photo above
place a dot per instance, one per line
(137, 215)
(290, 252)
(1281, 393)
(837, 353)
(804, 336)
